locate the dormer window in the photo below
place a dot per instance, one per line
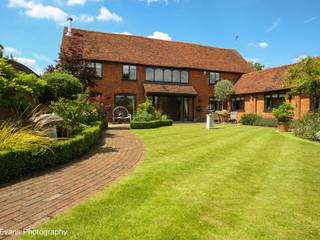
(214, 77)
(97, 66)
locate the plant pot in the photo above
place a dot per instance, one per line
(51, 132)
(283, 127)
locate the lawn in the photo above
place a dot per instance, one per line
(231, 182)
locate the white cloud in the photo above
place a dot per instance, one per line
(158, 1)
(47, 12)
(38, 10)
(76, 2)
(31, 63)
(86, 18)
(274, 25)
(309, 20)
(263, 45)
(154, 1)
(21, 3)
(254, 60)
(42, 58)
(123, 33)
(260, 44)
(299, 58)
(160, 35)
(106, 15)
(10, 50)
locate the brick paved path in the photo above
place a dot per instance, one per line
(34, 200)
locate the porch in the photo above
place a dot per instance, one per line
(177, 101)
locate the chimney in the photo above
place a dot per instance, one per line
(69, 32)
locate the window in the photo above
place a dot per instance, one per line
(214, 77)
(154, 100)
(315, 103)
(97, 67)
(129, 72)
(184, 77)
(167, 75)
(176, 76)
(272, 101)
(126, 100)
(149, 74)
(214, 104)
(237, 103)
(158, 74)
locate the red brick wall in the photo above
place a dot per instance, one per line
(199, 80)
(112, 84)
(255, 104)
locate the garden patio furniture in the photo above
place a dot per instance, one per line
(121, 113)
(233, 117)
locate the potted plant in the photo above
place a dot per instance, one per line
(223, 115)
(284, 115)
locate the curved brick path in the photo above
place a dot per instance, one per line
(34, 200)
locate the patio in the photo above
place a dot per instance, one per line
(34, 200)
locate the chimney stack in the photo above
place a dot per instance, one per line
(69, 32)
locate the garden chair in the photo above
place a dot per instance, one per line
(233, 117)
(121, 113)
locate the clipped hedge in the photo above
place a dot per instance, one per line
(249, 119)
(18, 163)
(150, 124)
(266, 122)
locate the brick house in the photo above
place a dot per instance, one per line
(259, 92)
(178, 77)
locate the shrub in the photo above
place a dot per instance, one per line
(283, 113)
(317, 136)
(150, 124)
(76, 114)
(20, 162)
(146, 112)
(61, 85)
(14, 136)
(266, 122)
(250, 118)
(18, 89)
(308, 126)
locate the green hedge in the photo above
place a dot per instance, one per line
(249, 119)
(17, 163)
(266, 122)
(150, 124)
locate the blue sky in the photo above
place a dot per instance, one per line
(272, 32)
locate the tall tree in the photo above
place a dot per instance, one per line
(71, 60)
(223, 90)
(256, 66)
(304, 77)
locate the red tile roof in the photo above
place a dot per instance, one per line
(145, 51)
(267, 80)
(261, 81)
(169, 89)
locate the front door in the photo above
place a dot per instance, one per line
(177, 108)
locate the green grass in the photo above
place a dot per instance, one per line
(231, 182)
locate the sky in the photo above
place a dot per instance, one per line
(272, 32)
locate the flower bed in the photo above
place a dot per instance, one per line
(150, 124)
(18, 163)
